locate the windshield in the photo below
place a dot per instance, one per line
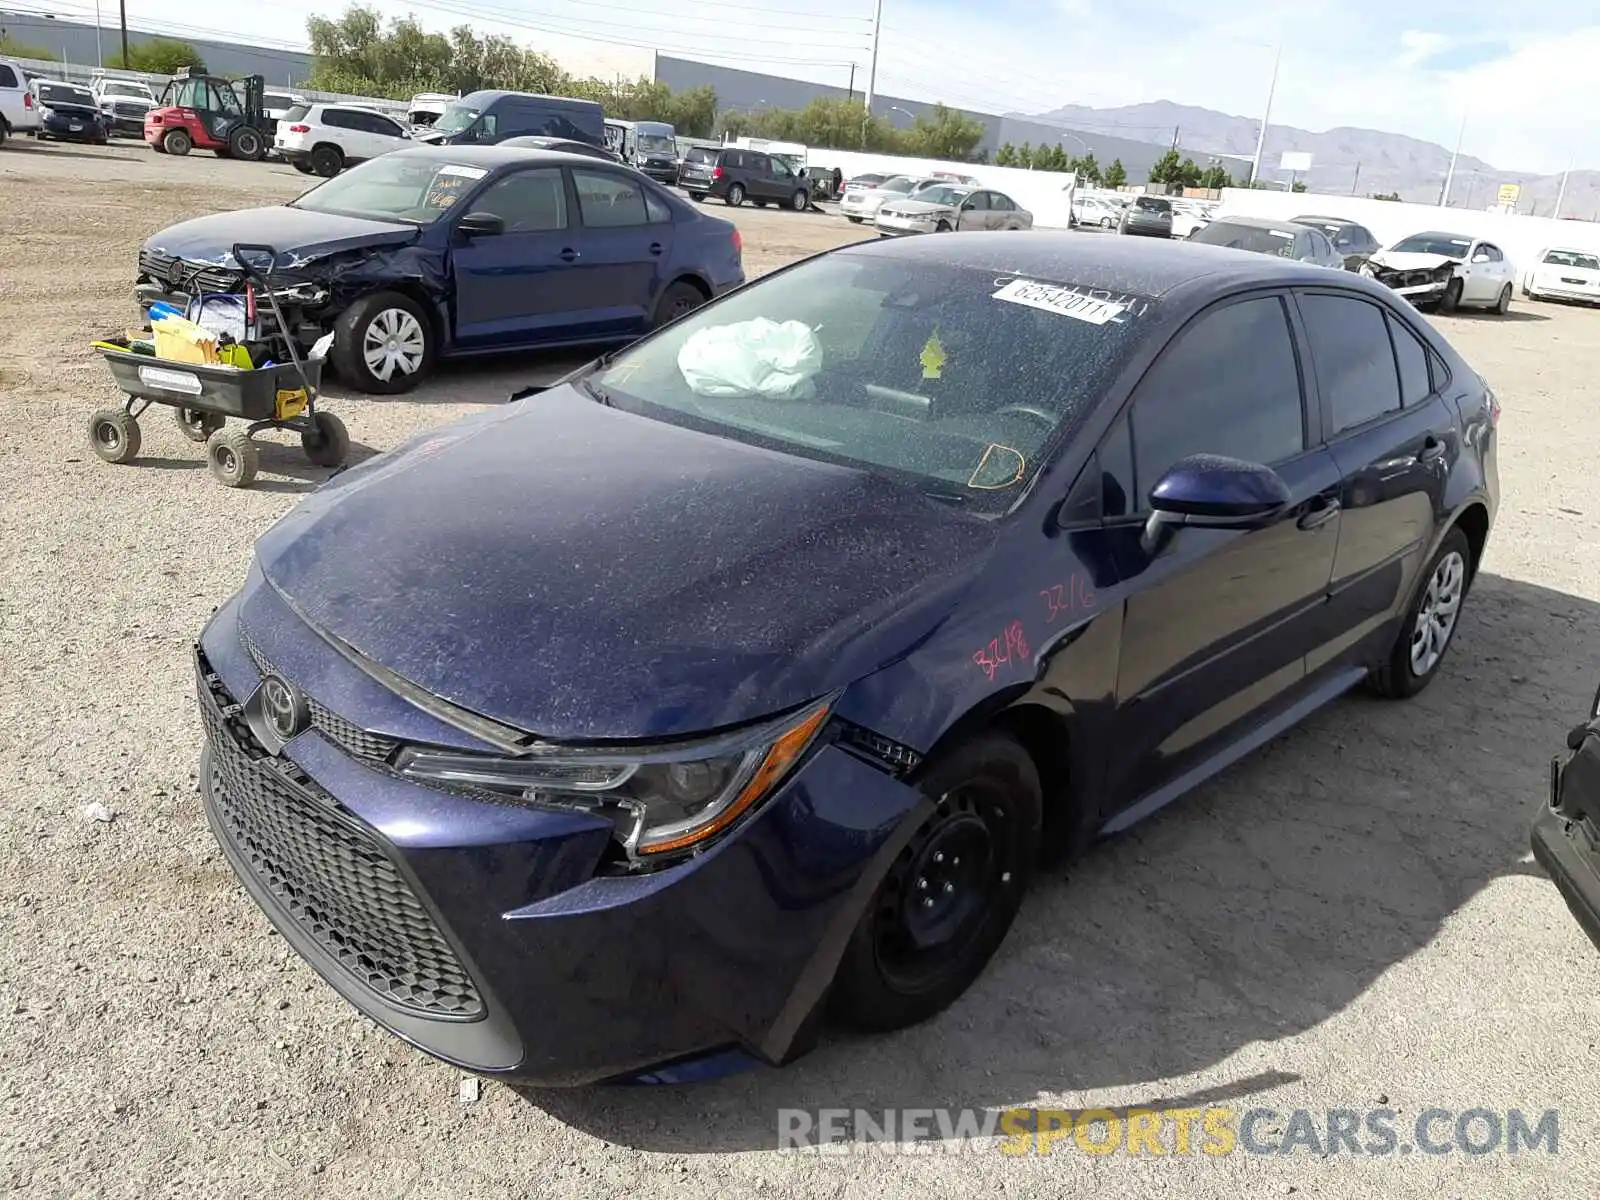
(1451, 245)
(1572, 258)
(135, 90)
(943, 195)
(456, 118)
(393, 188)
(657, 143)
(65, 93)
(898, 183)
(942, 377)
(1247, 237)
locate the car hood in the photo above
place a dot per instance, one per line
(297, 235)
(1557, 271)
(1411, 260)
(72, 108)
(581, 572)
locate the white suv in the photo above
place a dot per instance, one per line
(324, 139)
(18, 112)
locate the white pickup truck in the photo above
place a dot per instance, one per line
(17, 109)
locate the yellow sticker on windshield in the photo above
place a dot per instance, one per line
(933, 357)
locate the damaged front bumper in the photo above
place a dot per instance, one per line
(1422, 286)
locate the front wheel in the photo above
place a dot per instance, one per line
(232, 457)
(197, 426)
(800, 201)
(303, 167)
(942, 227)
(1430, 621)
(697, 197)
(948, 899)
(114, 435)
(327, 442)
(383, 344)
(735, 196)
(855, 220)
(247, 143)
(1451, 300)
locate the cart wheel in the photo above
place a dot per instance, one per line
(327, 442)
(197, 426)
(114, 435)
(232, 457)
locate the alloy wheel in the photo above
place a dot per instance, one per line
(394, 341)
(1436, 616)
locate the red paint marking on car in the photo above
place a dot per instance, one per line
(1075, 595)
(1010, 646)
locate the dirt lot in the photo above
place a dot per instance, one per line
(1348, 918)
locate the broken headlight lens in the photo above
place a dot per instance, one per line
(661, 800)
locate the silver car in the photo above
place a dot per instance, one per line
(1283, 239)
(946, 207)
(862, 204)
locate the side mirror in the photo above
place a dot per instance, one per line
(1480, 257)
(1208, 491)
(481, 224)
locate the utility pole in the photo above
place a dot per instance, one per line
(122, 6)
(1354, 182)
(852, 81)
(1450, 175)
(99, 54)
(872, 69)
(1561, 193)
(1175, 137)
(1266, 117)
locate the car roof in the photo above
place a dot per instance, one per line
(1135, 266)
(1440, 233)
(1252, 222)
(1327, 220)
(489, 157)
(489, 95)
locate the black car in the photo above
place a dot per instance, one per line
(69, 112)
(1354, 242)
(1566, 835)
(564, 145)
(735, 176)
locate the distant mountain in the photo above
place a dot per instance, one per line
(1343, 160)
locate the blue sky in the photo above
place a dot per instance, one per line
(1524, 76)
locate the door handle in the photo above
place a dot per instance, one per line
(569, 255)
(1432, 450)
(1324, 512)
(656, 248)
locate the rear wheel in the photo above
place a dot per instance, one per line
(1430, 622)
(950, 896)
(855, 220)
(232, 457)
(1503, 305)
(678, 300)
(327, 161)
(177, 141)
(327, 442)
(197, 426)
(697, 197)
(735, 196)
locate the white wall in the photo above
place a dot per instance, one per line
(1043, 193)
(1522, 238)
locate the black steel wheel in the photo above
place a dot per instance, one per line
(114, 435)
(232, 457)
(197, 426)
(951, 894)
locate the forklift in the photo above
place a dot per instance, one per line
(207, 112)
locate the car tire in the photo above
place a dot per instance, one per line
(232, 457)
(114, 435)
(697, 197)
(1106, 223)
(1451, 300)
(677, 300)
(931, 927)
(735, 196)
(942, 227)
(327, 442)
(177, 141)
(1430, 622)
(303, 167)
(247, 143)
(5, 131)
(855, 220)
(327, 161)
(377, 319)
(800, 201)
(1503, 305)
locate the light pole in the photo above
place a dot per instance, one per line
(895, 108)
(1561, 193)
(1266, 117)
(1077, 139)
(99, 55)
(872, 67)
(1450, 175)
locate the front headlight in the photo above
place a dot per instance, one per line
(1369, 270)
(661, 800)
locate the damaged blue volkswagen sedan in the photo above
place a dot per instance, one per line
(739, 680)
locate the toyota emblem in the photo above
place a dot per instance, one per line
(283, 707)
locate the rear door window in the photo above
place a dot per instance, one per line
(609, 201)
(1412, 359)
(1354, 358)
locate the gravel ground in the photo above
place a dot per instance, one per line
(1348, 918)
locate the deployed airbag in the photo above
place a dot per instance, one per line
(771, 359)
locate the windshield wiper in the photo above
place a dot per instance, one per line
(948, 497)
(587, 383)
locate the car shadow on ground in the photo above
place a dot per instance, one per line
(1514, 314)
(1248, 912)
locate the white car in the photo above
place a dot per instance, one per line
(1446, 270)
(106, 90)
(1093, 210)
(324, 139)
(1564, 275)
(18, 112)
(862, 204)
(1189, 218)
(945, 208)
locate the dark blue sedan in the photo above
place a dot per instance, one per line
(437, 252)
(744, 677)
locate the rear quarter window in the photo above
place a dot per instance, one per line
(298, 113)
(8, 77)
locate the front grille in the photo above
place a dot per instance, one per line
(169, 269)
(1400, 279)
(347, 735)
(328, 873)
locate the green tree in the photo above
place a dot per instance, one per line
(1167, 168)
(1216, 177)
(1188, 173)
(1060, 160)
(1395, 196)
(1116, 174)
(1025, 156)
(1086, 167)
(1006, 156)
(14, 49)
(945, 133)
(158, 56)
(1297, 186)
